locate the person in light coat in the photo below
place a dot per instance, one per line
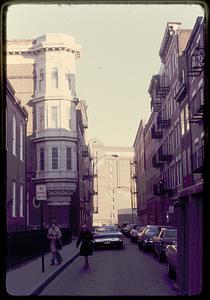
(54, 235)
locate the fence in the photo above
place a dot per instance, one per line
(24, 245)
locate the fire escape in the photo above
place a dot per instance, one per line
(160, 189)
(196, 62)
(196, 107)
(161, 90)
(156, 163)
(162, 156)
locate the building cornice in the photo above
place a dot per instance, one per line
(170, 31)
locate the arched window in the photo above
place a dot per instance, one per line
(21, 141)
(14, 134)
(41, 79)
(54, 78)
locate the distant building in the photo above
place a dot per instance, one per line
(126, 216)
(16, 124)
(112, 183)
(140, 172)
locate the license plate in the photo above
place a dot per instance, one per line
(107, 242)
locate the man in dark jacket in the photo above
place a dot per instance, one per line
(86, 248)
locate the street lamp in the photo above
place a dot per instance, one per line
(94, 165)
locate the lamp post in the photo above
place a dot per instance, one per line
(94, 165)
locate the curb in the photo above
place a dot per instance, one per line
(52, 276)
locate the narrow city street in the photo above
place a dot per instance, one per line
(114, 272)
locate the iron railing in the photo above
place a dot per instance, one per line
(24, 245)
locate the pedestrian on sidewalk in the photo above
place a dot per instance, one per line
(55, 235)
(86, 249)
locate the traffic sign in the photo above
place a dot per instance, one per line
(41, 192)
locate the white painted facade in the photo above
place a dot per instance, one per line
(54, 101)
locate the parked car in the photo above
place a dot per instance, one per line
(107, 228)
(108, 239)
(171, 254)
(135, 232)
(166, 237)
(145, 238)
(126, 229)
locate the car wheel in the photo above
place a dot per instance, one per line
(121, 246)
(171, 272)
(160, 258)
(140, 246)
(144, 248)
(154, 253)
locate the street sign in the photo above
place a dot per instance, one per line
(41, 192)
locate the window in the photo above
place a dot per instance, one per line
(21, 200)
(173, 175)
(175, 137)
(41, 161)
(187, 117)
(69, 117)
(54, 117)
(184, 163)
(196, 153)
(54, 158)
(54, 78)
(46, 117)
(41, 118)
(13, 198)
(21, 141)
(178, 135)
(189, 160)
(41, 79)
(179, 172)
(68, 78)
(182, 122)
(14, 134)
(68, 158)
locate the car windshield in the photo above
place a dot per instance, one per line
(106, 236)
(139, 227)
(171, 233)
(151, 231)
(106, 229)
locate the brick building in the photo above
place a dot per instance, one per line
(16, 124)
(174, 147)
(190, 96)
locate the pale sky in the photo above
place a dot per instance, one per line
(120, 46)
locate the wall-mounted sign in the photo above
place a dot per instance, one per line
(41, 192)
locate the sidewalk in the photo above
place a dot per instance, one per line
(29, 278)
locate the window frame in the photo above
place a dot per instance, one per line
(54, 158)
(14, 135)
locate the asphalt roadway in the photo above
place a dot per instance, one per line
(113, 272)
